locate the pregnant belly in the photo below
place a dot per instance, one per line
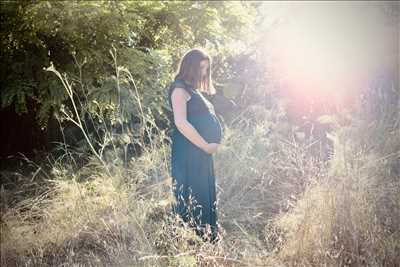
(208, 127)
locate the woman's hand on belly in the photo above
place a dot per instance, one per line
(211, 148)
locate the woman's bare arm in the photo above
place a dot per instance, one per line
(178, 98)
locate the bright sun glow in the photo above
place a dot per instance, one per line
(323, 48)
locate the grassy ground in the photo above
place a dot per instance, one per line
(278, 205)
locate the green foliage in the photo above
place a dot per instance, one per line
(76, 37)
(17, 92)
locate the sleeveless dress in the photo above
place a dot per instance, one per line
(192, 169)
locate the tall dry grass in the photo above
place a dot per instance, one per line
(352, 218)
(261, 172)
(116, 216)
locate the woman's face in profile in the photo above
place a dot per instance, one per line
(204, 67)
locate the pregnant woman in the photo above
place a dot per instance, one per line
(196, 135)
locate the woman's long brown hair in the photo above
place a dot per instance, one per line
(189, 70)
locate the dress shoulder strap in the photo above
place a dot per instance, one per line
(182, 84)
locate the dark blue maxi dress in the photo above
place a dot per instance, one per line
(192, 169)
